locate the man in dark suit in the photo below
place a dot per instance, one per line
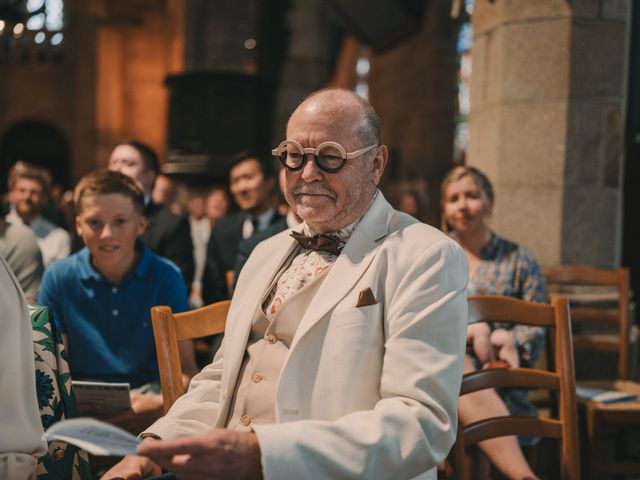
(252, 183)
(167, 234)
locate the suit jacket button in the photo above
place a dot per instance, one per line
(271, 338)
(58, 454)
(245, 420)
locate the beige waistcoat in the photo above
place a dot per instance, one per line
(267, 348)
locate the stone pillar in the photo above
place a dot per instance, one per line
(546, 123)
(307, 65)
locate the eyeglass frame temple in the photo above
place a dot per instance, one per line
(310, 150)
(362, 151)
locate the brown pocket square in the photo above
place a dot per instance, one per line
(366, 298)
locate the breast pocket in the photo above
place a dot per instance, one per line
(355, 316)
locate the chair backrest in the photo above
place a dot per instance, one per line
(169, 328)
(493, 308)
(617, 319)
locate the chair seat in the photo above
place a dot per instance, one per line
(626, 386)
(618, 413)
(601, 415)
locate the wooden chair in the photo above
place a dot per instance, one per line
(617, 340)
(493, 308)
(600, 417)
(169, 328)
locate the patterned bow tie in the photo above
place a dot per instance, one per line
(323, 243)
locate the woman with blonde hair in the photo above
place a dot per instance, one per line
(500, 267)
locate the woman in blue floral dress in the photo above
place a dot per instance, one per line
(500, 267)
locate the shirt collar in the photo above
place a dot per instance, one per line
(13, 216)
(264, 219)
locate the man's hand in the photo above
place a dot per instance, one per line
(478, 340)
(145, 409)
(218, 453)
(132, 468)
(504, 342)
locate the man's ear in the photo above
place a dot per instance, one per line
(379, 163)
(142, 224)
(78, 226)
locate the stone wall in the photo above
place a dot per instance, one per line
(547, 99)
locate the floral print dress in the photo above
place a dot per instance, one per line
(55, 400)
(508, 269)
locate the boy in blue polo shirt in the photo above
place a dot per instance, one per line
(100, 297)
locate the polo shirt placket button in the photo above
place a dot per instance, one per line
(245, 420)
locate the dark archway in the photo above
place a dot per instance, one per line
(36, 142)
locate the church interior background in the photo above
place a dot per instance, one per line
(541, 95)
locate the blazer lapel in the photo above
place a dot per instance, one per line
(356, 256)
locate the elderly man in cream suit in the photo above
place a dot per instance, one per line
(343, 351)
(21, 431)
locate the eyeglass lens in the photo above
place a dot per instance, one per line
(328, 158)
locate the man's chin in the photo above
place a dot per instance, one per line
(25, 212)
(314, 215)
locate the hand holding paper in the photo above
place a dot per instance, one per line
(94, 436)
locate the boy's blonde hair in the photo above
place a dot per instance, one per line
(106, 182)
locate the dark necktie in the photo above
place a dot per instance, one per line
(323, 243)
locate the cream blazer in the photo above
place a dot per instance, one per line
(368, 392)
(20, 428)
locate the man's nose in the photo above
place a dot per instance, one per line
(240, 187)
(311, 172)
